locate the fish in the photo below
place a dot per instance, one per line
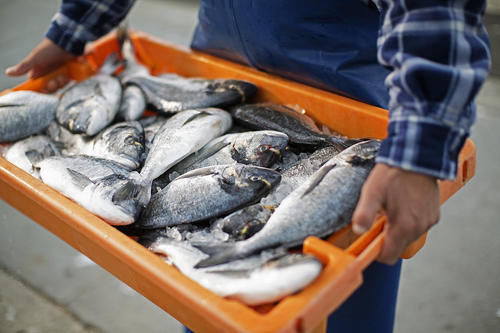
(259, 148)
(89, 106)
(207, 193)
(27, 152)
(245, 222)
(25, 113)
(301, 130)
(172, 93)
(264, 278)
(133, 101)
(133, 104)
(86, 187)
(92, 167)
(319, 207)
(122, 143)
(181, 135)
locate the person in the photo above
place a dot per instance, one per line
(432, 55)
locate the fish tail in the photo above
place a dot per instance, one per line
(143, 188)
(220, 253)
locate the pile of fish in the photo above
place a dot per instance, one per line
(222, 189)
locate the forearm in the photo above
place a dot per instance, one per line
(80, 21)
(439, 55)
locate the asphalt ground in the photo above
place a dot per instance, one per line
(452, 285)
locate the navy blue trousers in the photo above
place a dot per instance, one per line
(372, 307)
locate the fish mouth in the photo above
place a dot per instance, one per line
(275, 151)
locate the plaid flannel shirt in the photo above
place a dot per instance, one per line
(438, 52)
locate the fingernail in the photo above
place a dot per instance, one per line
(358, 229)
(9, 70)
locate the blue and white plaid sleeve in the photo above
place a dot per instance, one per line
(438, 52)
(80, 21)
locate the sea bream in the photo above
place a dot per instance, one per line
(319, 207)
(172, 93)
(90, 105)
(122, 143)
(259, 148)
(133, 101)
(26, 153)
(181, 135)
(260, 279)
(93, 184)
(301, 130)
(24, 113)
(207, 193)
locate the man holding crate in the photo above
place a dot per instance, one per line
(433, 57)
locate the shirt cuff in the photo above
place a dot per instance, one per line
(64, 38)
(422, 145)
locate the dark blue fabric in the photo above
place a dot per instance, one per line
(323, 43)
(372, 307)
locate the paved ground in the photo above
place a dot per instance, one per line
(452, 285)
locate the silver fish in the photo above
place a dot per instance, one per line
(24, 113)
(85, 187)
(92, 167)
(171, 93)
(319, 207)
(181, 135)
(256, 280)
(207, 193)
(259, 148)
(122, 143)
(301, 130)
(90, 105)
(133, 104)
(26, 153)
(133, 101)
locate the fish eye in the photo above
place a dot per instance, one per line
(254, 178)
(263, 148)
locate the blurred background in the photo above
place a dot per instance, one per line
(451, 285)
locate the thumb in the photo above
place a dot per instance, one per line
(21, 68)
(368, 205)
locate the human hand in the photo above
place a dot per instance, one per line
(43, 59)
(410, 201)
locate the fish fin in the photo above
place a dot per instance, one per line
(111, 64)
(198, 115)
(207, 152)
(34, 156)
(219, 254)
(142, 192)
(126, 192)
(79, 179)
(122, 34)
(196, 173)
(318, 177)
(98, 90)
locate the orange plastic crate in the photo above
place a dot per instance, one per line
(344, 255)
